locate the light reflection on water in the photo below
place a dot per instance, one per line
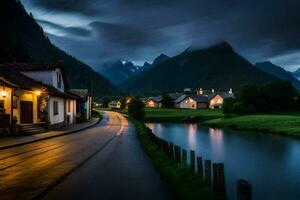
(270, 163)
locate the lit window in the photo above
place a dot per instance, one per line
(186, 101)
(219, 101)
(191, 100)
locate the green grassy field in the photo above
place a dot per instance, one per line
(178, 115)
(283, 123)
(185, 184)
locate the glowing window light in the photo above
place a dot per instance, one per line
(38, 93)
(3, 93)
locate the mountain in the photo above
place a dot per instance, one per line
(297, 73)
(214, 67)
(278, 72)
(23, 40)
(118, 72)
(161, 58)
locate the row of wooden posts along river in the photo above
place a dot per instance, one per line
(212, 174)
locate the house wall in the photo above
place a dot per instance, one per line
(217, 101)
(48, 77)
(188, 103)
(60, 118)
(7, 99)
(72, 112)
(152, 104)
(23, 95)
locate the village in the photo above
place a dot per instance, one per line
(188, 99)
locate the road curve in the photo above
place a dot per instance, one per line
(64, 166)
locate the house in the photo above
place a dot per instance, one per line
(34, 93)
(203, 99)
(153, 102)
(114, 105)
(83, 103)
(192, 101)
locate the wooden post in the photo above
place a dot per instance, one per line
(176, 153)
(192, 160)
(179, 154)
(207, 177)
(171, 150)
(244, 190)
(184, 155)
(200, 167)
(219, 179)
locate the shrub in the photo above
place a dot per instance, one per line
(136, 109)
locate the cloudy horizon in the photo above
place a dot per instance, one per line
(96, 31)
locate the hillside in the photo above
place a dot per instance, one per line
(278, 72)
(215, 67)
(22, 39)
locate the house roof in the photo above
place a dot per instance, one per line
(19, 80)
(197, 98)
(29, 67)
(83, 93)
(156, 99)
(174, 96)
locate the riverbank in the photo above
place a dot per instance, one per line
(287, 124)
(182, 181)
(165, 115)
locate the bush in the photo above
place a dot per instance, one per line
(136, 109)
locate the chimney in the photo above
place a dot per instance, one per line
(200, 92)
(230, 91)
(212, 90)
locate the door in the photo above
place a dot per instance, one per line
(26, 112)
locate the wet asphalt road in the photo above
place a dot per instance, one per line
(103, 162)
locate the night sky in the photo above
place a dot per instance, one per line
(96, 31)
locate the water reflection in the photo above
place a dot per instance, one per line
(270, 163)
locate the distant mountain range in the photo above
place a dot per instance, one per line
(118, 71)
(279, 72)
(218, 66)
(23, 40)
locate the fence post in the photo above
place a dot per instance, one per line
(184, 154)
(219, 179)
(171, 150)
(176, 153)
(207, 177)
(179, 154)
(244, 190)
(192, 160)
(200, 167)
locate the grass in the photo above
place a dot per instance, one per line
(178, 115)
(281, 123)
(182, 181)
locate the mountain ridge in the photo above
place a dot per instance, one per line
(218, 66)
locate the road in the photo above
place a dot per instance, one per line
(102, 162)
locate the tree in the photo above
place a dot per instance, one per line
(166, 101)
(123, 103)
(105, 101)
(136, 109)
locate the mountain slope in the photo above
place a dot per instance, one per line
(215, 67)
(17, 27)
(278, 72)
(117, 71)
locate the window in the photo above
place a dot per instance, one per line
(58, 76)
(69, 106)
(55, 108)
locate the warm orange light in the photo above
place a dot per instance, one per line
(3, 93)
(38, 93)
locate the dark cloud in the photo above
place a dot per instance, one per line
(81, 6)
(70, 31)
(142, 29)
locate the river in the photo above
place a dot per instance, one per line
(270, 163)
